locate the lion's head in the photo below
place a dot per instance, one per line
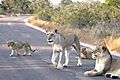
(51, 36)
(83, 52)
(10, 43)
(86, 53)
(100, 51)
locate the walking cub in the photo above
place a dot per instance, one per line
(16, 46)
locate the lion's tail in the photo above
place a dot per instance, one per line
(31, 49)
(77, 42)
(77, 46)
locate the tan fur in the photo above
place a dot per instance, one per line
(103, 61)
(60, 43)
(86, 53)
(16, 46)
(114, 71)
(104, 64)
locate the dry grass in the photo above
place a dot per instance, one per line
(2, 16)
(41, 23)
(112, 43)
(84, 35)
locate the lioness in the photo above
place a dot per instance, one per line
(61, 45)
(114, 71)
(103, 61)
(16, 46)
(104, 64)
(86, 53)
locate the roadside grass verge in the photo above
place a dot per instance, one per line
(113, 43)
(85, 35)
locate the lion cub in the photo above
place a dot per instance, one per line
(16, 46)
(86, 53)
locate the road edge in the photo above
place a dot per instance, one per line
(81, 43)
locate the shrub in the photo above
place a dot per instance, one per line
(44, 15)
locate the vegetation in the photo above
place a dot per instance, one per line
(100, 20)
(15, 6)
(91, 21)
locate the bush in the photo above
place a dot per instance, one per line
(84, 15)
(44, 15)
(104, 34)
(82, 19)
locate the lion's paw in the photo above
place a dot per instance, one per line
(108, 75)
(55, 65)
(65, 65)
(79, 64)
(59, 66)
(10, 55)
(87, 73)
(115, 76)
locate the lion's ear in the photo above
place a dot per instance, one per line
(56, 31)
(104, 48)
(46, 30)
(9, 41)
(83, 49)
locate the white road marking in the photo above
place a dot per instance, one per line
(9, 23)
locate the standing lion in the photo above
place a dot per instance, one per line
(61, 45)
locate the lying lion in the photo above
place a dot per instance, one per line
(104, 64)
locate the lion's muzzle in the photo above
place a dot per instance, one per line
(50, 41)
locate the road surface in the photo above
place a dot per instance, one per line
(37, 66)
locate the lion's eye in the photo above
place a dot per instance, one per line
(52, 34)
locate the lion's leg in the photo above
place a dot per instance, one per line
(54, 57)
(93, 73)
(60, 58)
(88, 73)
(25, 52)
(79, 58)
(77, 48)
(111, 75)
(28, 53)
(17, 52)
(79, 61)
(12, 52)
(67, 52)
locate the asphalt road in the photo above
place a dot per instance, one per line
(37, 66)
